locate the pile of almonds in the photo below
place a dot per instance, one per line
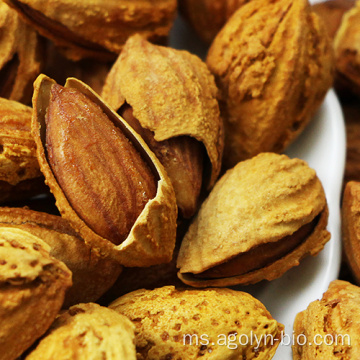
(138, 181)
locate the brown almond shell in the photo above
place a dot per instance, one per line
(259, 201)
(163, 318)
(94, 28)
(18, 161)
(273, 64)
(20, 58)
(347, 50)
(332, 322)
(350, 225)
(87, 331)
(179, 98)
(92, 274)
(152, 238)
(32, 290)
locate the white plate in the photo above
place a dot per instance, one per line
(322, 145)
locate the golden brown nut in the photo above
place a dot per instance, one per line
(273, 64)
(262, 217)
(106, 181)
(87, 331)
(207, 17)
(20, 174)
(347, 50)
(332, 11)
(331, 325)
(94, 28)
(32, 290)
(172, 103)
(350, 226)
(92, 274)
(20, 56)
(188, 324)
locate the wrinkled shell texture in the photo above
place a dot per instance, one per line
(67, 23)
(18, 160)
(207, 17)
(351, 226)
(19, 56)
(347, 49)
(148, 243)
(188, 106)
(259, 201)
(88, 332)
(273, 64)
(92, 274)
(32, 289)
(337, 314)
(163, 316)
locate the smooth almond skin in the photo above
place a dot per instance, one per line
(152, 237)
(273, 63)
(335, 316)
(87, 332)
(97, 29)
(350, 226)
(20, 175)
(32, 290)
(164, 316)
(92, 274)
(93, 161)
(259, 202)
(178, 99)
(347, 50)
(20, 58)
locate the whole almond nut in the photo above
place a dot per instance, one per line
(273, 64)
(92, 273)
(97, 29)
(261, 218)
(32, 290)
(106, 181)
(168, 321)
(87, 331)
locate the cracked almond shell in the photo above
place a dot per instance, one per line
(178, 99)
(20, 58)
(92, 274)
(87, 331)
(96, 28)
(151, 239)
(331, 321)
(32, 290)
(273, 64)
(261, 218)
(164, 316)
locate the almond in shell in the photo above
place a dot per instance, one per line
(105, 179)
